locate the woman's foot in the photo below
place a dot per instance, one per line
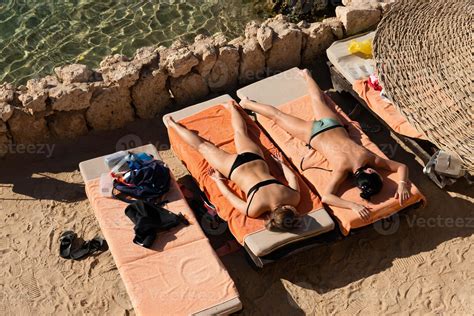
(229, 105)
(306, 74)
(169, 121)
(244, 103)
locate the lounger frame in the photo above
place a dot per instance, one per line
(296, 247)
(286, 249)
(94, 168)
(341, 84)
(345, 68)
(285, 87)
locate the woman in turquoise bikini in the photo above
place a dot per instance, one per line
(329, 137)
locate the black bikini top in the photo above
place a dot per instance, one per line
(253, 190)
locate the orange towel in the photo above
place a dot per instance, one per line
(214, 125)
(385, 110)
(382, 205)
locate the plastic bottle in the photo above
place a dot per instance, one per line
(113, 159)
(106, 184)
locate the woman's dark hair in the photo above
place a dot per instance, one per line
(369, 183)
(283, 218)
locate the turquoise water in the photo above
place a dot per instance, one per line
(36, 36)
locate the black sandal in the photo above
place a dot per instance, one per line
(87, 248)
(65, 243)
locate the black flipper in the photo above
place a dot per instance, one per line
(65, 243)
(89, 247)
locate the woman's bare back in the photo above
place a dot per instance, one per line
(340, 150)
(268, 197)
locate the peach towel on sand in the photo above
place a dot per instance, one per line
(213, 124)
(385, 110)
(180, 275)
(381, 205)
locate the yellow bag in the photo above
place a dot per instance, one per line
(364, 47)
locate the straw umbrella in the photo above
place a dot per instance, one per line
(424, 56)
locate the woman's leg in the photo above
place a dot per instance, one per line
(296, 127)
(217, 158)
(243, 143)
(318, 102)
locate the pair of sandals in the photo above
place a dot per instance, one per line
(67, 251)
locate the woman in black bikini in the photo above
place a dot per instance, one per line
(251, 174)
(328, 136)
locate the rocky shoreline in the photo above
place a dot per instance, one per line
(76, 100)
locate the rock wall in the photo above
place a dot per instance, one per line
(76, 100)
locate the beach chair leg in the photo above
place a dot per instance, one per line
(337, 82)
(255, 260)
(469, 178)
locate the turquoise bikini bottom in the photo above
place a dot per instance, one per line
(323, 125)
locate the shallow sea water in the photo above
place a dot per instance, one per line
(36, 36)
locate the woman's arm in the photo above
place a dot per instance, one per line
(391, 165)
(236, 202)
(290, 176)
(329, 197)
(403, 193)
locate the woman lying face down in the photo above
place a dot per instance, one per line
(249, 171)
(328, 136)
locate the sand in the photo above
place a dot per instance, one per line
(424, 266)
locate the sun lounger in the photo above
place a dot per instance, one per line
(354, 69)
(181, 274)
(287, 91)
(352, 66)
(212, 121)
(349, 73)
(385, 110)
